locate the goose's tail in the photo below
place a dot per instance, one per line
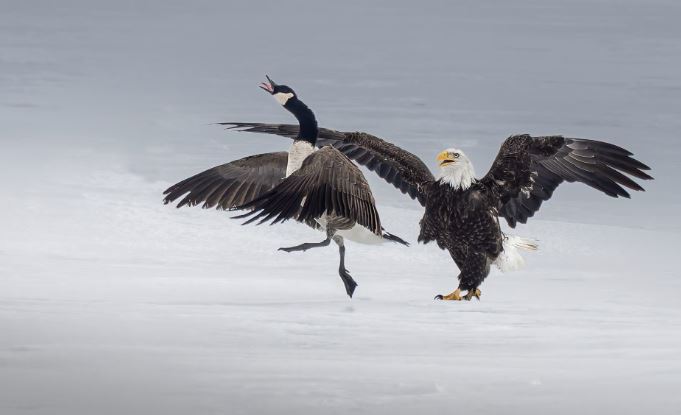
(394, 238)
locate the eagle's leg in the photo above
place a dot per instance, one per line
(474, 268)
(349, 283)
(306, 246)
(454, 296)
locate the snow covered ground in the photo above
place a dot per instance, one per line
(111, 303)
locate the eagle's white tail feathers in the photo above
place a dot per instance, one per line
(510, 258)
(526, 244)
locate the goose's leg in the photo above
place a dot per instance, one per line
(307, 245)
(349, 283)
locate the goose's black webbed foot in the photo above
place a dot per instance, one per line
(349, 283)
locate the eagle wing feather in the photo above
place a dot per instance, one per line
(527, 170)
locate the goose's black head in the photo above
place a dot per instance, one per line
(282, 93)
(287, 97)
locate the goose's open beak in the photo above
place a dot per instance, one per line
(269, 85)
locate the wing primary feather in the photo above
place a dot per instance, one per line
(528, 169)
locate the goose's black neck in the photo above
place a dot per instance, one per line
(306, 120)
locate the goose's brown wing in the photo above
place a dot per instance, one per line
(326, 183)
(230, 184)
(393, 164)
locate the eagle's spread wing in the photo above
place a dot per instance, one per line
(398, 167)
(327, 182)
(231, 184)
(528, 169)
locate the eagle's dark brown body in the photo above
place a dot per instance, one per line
(463, 223)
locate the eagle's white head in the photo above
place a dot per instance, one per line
(455, 169)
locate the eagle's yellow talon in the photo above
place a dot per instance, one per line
(472, 293)
(455, 296)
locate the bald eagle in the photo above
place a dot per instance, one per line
(462, 211)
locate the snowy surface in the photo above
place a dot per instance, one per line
(111, 303)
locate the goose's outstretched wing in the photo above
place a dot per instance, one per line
(230, 184)
(395, 165)
(326, 183)
(528, 169)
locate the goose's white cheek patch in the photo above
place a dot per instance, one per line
(283, 98)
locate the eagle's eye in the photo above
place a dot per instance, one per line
(455, 155)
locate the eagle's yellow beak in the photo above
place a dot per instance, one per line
(445, 157)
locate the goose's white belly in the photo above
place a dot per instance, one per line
(357, 233)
